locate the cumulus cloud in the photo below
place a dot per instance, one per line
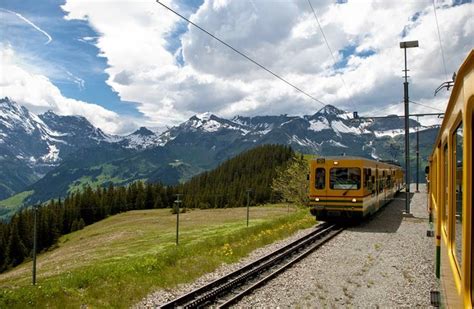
(170, 84)
(38, 94)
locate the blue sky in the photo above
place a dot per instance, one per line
(131, 63)
(67, 52)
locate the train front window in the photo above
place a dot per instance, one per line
(320, 181)
(457, 177)
(345, 178)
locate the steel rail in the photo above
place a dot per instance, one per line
(209, 293)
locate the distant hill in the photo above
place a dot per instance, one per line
(225, 186)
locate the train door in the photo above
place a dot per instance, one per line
(457, 192)
(469, 199)
(320, 183)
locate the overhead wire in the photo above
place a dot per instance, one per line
(427, 106)
(440, 42)
(329, 48)
(243, 55)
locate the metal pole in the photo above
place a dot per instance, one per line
(417, 156)
(34, 243)
(407, 139)
(248, 206)
(178, 201)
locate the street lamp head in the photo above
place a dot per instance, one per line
(408, 44)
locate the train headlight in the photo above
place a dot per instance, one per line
(317, 199)
(354, 200)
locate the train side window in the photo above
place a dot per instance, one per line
(457, 178)
(366, 177)
(445, 185)
(320, 182)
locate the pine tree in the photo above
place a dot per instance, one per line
(81, 224)
(15, 251)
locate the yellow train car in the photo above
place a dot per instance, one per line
(450, 193)
(351, 187)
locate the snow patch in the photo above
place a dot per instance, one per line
(318, 125)
(336, 144)
(52, 155)
(339, 126)
(211, 126)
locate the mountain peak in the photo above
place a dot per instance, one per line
(207, 116)
(143, 132)
(11, 106)
(6, 101)
(330, 110)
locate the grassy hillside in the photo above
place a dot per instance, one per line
(10, 205)
(117, 261)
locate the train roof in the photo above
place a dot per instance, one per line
(466, 68)
(339, 158)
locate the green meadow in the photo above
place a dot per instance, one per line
(118, 261)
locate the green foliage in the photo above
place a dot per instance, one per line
(227, 185)
(291, 182)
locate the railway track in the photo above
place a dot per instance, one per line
(230, 288)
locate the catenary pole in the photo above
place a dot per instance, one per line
(248, 205)
(35, 220)
(405, 45)
(178, 201)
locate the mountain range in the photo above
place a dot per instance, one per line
(48, 155)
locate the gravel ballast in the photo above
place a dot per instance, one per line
(387, 261)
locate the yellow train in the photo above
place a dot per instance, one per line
(450, 193)
(351, 187)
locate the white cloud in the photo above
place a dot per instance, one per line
(284, 36)
(38, 94)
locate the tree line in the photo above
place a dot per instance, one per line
(225, 186)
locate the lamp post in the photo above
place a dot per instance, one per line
(417, 155)
(405, 45)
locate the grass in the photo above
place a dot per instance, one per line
(11, 205)
(106, 176)
(118, 261)
(15, 200)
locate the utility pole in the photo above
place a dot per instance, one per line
(248, 205)
(417, 155)
(178, 201)
(405, 45)
(35, 211)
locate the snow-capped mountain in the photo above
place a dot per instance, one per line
(32, 145)
(142, 138)
(44, 140)
(70, 150)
